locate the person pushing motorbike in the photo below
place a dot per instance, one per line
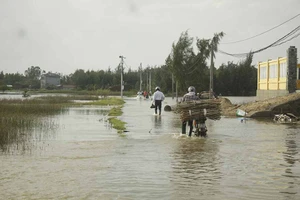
(191, 96)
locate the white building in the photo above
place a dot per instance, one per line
(50, 79)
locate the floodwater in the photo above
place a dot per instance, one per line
(82, 157)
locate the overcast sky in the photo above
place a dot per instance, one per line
(65, 35)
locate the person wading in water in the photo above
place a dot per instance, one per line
(158, 97)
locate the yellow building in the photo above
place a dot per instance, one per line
(272, 75)
(278, 77)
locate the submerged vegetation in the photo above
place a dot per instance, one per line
(21, 118)
(115, 111)
(116, 123)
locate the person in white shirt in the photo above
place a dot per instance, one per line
(158, 97)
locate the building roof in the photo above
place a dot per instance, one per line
(50, 74)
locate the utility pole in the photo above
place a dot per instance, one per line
(122, 85)
(141, 81)
(150, 81)
(147, 79)
(172, 86)
(211, 84)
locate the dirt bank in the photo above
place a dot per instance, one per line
(229, 109)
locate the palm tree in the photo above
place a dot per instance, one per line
(213, 47)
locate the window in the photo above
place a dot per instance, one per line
(283, 69)
(263, 72)
(273, 71)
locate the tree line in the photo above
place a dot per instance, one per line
(184, 66)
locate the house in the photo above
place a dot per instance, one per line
(50, 80)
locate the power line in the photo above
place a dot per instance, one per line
(287, 40)
(288, 37)
(262, 32)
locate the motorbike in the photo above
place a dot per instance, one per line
(199, 125)
(198, 122)
(200, 128)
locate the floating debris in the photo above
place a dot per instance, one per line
(286, 118)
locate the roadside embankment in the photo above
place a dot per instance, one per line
(264, 108)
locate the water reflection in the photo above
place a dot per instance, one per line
(157, 122)
(291, 172)
(90, 110)
(195, 167)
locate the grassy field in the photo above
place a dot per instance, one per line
(107, 102)
(103, 93)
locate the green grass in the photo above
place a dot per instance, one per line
(115, 111)
(117, 124)
(107, 102)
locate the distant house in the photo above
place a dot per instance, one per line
(49, 80)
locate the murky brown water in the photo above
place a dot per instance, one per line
(83, 158)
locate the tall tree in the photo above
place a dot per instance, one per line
(180, 59)
(237, 79)
(33, 73)
(214, 42)
(199, 76)
(1, 75)
(80, 78)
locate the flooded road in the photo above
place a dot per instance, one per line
(84, 158)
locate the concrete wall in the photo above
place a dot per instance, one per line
(267, 94)
(52, 81)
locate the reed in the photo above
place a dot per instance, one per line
(21, 118)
